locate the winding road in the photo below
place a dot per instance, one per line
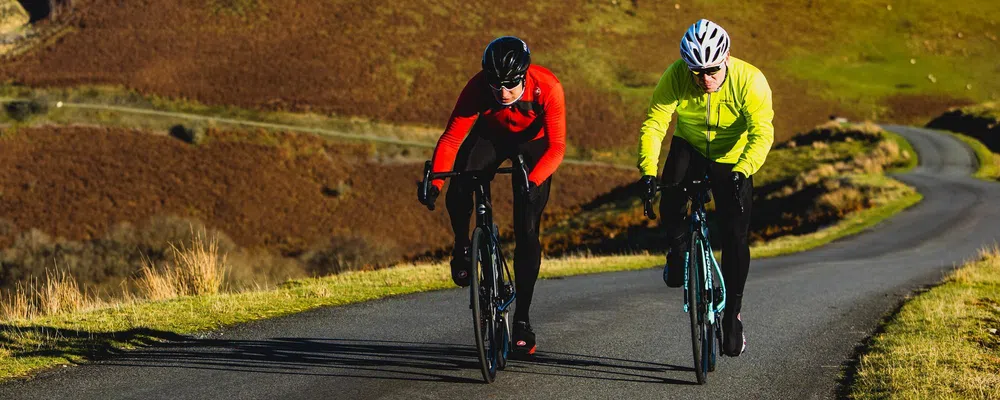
(613, 335)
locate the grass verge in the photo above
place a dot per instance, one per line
(906, 163)
(30, 345)
(989, 162)
(942, 344)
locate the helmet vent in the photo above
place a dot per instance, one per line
(704, 44)
(506, 58)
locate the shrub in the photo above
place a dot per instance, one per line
(23, 110)
(234, 7)
(192, 135)
(259, 268)
(842, 200)
(156, 235)
(59, 292)
(348, 253)
(104, 263)
(831, 132)
(12, 16)
(198, 269)
(7, 228)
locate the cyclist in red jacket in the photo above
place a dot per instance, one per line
(511, 107)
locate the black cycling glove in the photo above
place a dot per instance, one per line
(432, 195)
(647, 187)
(533, 192)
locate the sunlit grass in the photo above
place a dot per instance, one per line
(917, 48)
(908, 159)
(989, 162)
(990, 109)
(942, 344)
(12, 16)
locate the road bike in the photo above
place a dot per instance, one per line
(491, 291)
(704, 288)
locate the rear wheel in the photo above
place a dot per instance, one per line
(695, 292)
(708, 335)
(483, 310)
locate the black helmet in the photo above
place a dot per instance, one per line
(506, 59)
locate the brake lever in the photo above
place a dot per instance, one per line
(523, 166)
(425, 184)
(648, 209)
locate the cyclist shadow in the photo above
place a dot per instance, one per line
(371, 359)
(376, 359)
(602, 368)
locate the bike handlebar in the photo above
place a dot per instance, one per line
(692, 188)
(519, 166)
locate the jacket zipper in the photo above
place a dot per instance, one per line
(708, 126)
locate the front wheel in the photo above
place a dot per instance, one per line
(504, 297)
(713, 336)
(695, 294)
(503, 334)
(481, 297)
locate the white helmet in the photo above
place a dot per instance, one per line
(704, 45)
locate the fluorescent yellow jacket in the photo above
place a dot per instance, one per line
(730, 126)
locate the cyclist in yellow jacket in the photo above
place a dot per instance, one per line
(723, 131)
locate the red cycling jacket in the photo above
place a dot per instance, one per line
(540, 113)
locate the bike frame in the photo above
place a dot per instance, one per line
(699, 223)
(498, 263)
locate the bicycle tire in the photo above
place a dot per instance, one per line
(481, 300)
(502, 318)
(503, 348)
(708, 326)
(709, 349)
(715, 328)
(694, 294)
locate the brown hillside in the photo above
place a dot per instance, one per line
(394, 61)
(281, 192)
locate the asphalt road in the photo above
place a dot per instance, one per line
(614, 335)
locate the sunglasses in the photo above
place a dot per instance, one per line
(509, 85)
(707, 71)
